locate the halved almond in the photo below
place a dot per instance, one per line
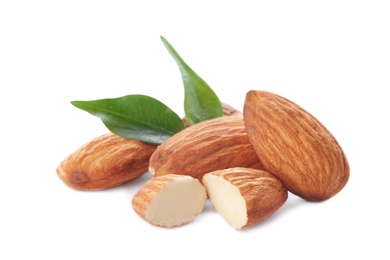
(170, 200)
(244, 196)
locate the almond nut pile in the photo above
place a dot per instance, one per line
(244, 163)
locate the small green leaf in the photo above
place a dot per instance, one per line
(200, 101)
(136, 117)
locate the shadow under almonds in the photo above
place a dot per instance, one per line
(131, 187)
(292, 203)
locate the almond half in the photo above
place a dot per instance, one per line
(244, 196)
(170, 200)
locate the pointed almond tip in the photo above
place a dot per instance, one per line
(257, 92)
(251, 93)
(256, 95)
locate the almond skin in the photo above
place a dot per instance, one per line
(294, 146)
(227, 111)
(210, 145)
(244, 196)
(104, 162)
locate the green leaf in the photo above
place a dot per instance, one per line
(136, 117)
(200, 101)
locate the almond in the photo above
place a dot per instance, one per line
(227, 111)
(294, 146)
(207, 146)
(244, 196)
(104, 162)
(170, 200)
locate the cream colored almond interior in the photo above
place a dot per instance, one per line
(177, 203)
(227, 200)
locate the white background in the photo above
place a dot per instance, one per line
(330, 57)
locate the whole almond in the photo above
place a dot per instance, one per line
(244, 196)
(227, 111)
(207, 146)
(104, 162)
(294, 146)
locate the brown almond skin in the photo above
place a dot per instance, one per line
(264, 194)
(207, 146)
(105, 162)
(227, 111)
(294, 146)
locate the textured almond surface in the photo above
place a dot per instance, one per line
(244, 196)
(204, 147)
(170, 200)
(293, 145)
(227, 111)
(106, 161)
